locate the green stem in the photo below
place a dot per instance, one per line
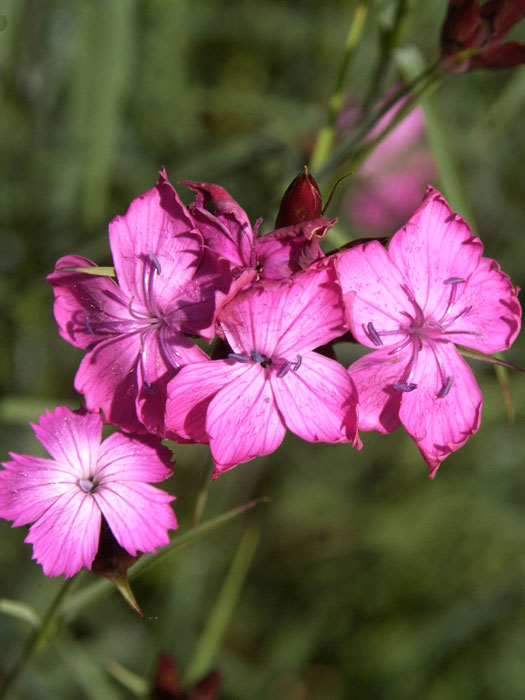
(326, 136)
(36, 638)
(347, 148)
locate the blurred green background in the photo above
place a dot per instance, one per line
(368, 580)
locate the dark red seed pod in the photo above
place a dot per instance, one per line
(301, 201)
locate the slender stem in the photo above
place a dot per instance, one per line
(347, 148)
(390, 38)
(36, 638)
(326, 136)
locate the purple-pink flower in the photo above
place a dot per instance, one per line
(135, 332)
(273, 379)
(65, 497)
(412, 304)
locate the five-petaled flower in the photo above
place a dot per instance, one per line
(67, 496)
(411, 304)
(135, 332)
(273, 379)
(472, 35)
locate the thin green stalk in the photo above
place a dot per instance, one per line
(36, 638)
(326, 136)
(217, 622)
(347, 148)
(390, 38)
(97, 590)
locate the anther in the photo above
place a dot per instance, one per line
(257, 357)
(446, 388)
(150, 388)
(297, 364)
(373, 334)
(86, 485)
(405, 386)
(239, 358)
(286, 367)
(155, 261)
(88, 327)
(453, 280)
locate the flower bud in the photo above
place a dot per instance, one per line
(301, 201)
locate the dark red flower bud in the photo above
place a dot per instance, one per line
(301, 201)
(471, 35)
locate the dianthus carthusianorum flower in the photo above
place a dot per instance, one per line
(273, 379)
(67, 496)
(135, 331)
(412, 304)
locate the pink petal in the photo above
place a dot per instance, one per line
(286, 317)
(133, 458)
(155, 247)
(435, 246)
(87, 308)
(31, 485)
(493, 314)
(441, 425)
(139, 515)
(65, 538)
(374, 376)
(285, 251)
(231, 218)
(318, 401)
(242, 420)
(72, 439)
(107, 376)
(191, 391)
(218, 237)
(373, 293)
(163, 352)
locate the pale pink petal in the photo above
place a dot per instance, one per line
(31, 485)
(441, 425)
(155, 247)
(488, 314)
(243, 421)
(318, 401)
(87, 308)
(73, 439)
(133, 458)
(107, 376)
(139, 515)
(434, 247)
(285, 251)
(286, 317)
(65, 538)
(374, 288)
(191, 391)
(374, 376)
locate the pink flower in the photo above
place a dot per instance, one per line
(272, 380)
(135, 332)
(393, 178)
(411, 304)
(227, 231)
(66, 496)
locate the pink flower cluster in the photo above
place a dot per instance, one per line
(275, 304)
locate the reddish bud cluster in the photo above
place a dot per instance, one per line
(472, 35)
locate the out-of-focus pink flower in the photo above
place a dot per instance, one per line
(227, 231)
(392, 180)
(135, 333)
(411, 304)
(272, 380)
(67, 496)
(472, 35)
